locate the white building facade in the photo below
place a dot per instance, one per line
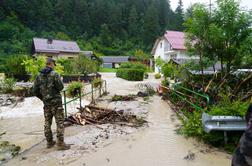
(170, 46)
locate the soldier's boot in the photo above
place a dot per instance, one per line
(62, 146)
(50, 144)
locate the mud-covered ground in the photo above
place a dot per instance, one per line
(154, 144)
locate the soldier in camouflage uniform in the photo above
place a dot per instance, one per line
(243, 153)
(47, 87)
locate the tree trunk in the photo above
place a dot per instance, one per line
(202, 69)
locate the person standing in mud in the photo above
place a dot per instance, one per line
(47, 87)
(243, 153)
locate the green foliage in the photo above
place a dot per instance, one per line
(7, 85)
(34, 66)
(157, 76)
(79, 65)
(107, 70)
(83, 65)
(130, 74)
(168, 70)
(15, 38)
(222, 35)
(141, 56)
(192, 126)
(171, 70)
(151, 26)
(67, 64)
(179, 15)
(165, 82)
(227, 108)
(134, 65)
(107, 27)
(97, 82)
(14, 66)
(159, 62)
(73, 88)
(62, 36)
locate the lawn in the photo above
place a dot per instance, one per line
(107, 70)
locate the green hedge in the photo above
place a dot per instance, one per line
(130, 74)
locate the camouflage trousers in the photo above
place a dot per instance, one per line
(57, 112)
(239, 157)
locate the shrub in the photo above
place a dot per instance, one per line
(34, 66)
(135, 65)
(192, 127)
(73, 88)
(83, 65)
(97, 82)
(227, 108)
(157, 76)
(7, 85)
(14, 65)
(130, 74)
(165, 83)
(146, 75)
(168, 70)
(67, 64)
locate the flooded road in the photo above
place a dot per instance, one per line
(158, 145)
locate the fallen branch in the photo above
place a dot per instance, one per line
(2, 133)
(98, 115)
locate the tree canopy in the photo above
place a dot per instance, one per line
(127, 25)
(223, 35)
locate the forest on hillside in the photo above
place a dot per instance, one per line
(108, 27)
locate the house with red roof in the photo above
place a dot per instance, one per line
(170, 46)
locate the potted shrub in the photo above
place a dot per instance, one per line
(146, 76)
(74, 88)
(157, 76)
(97, 82)
(7, 85)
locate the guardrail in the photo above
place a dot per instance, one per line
(101, 88)
(223, 123)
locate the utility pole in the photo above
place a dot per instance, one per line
(210, 7)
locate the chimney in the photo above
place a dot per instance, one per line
(49, 40)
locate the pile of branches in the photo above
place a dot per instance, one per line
(96, 115)
(222, 89)
(238, 86)
(123, 98)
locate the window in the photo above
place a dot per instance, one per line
(161, 44)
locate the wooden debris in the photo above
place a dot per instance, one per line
(97, 115)
(123, 98)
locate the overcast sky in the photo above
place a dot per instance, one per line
(174, 3)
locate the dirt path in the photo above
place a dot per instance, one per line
(156, 145)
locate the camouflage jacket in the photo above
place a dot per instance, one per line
(246, 139)
(48, 85)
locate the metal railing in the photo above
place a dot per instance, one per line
(188, 95)
(101, 89)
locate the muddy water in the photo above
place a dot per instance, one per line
(158, 145)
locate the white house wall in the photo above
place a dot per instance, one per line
(159, 52)
(165, 52)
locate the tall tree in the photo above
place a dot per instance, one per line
(105, 35)
(151, 25)
(236, 29)
(179, 16)
(133, 23)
